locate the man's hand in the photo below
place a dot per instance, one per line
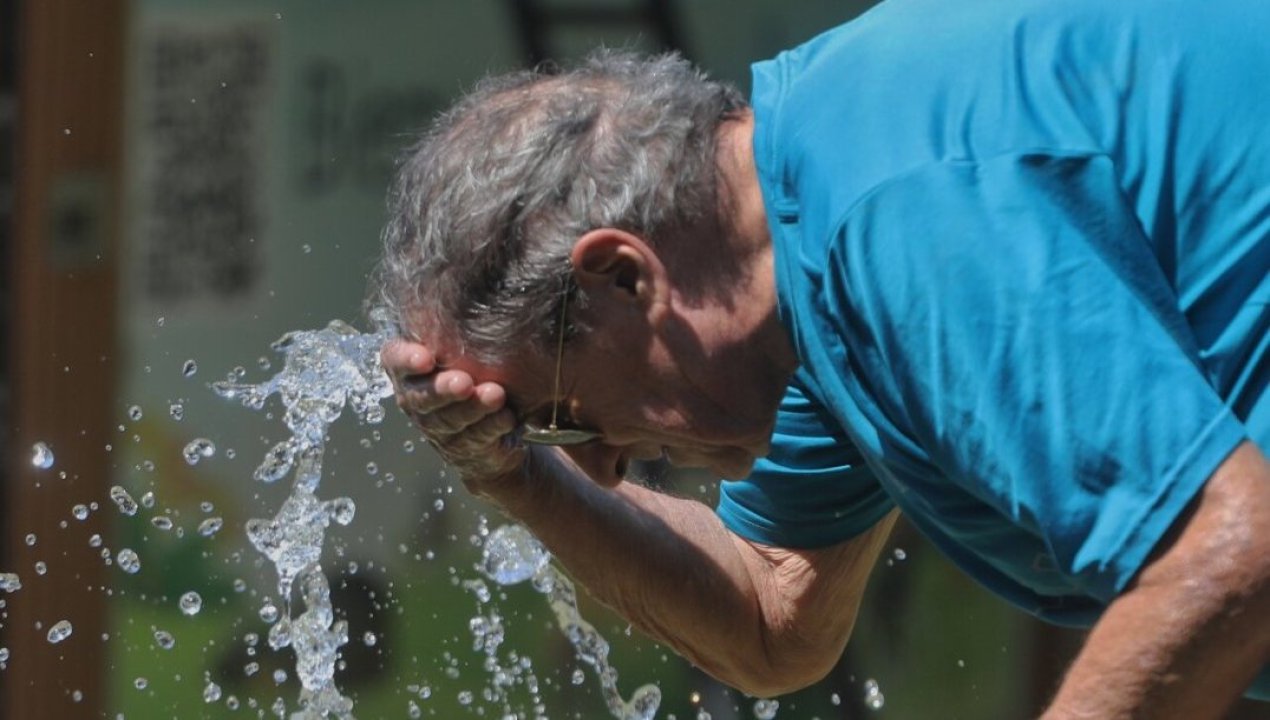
(468, 423)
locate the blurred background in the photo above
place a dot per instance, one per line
(182, 182)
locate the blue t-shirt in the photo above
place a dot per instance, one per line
(1022, 251)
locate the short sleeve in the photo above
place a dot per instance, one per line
(1010, 314)
(811, 490)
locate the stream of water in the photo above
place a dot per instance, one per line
(324, 371)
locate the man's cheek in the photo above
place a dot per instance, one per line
(604, 464)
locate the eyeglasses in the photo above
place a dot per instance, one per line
(554, 434)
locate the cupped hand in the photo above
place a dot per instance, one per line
(467, 422)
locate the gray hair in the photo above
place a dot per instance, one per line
(487, 205)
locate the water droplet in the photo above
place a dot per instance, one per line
(128, 561)
(206, 506)
(134, 412)
(408, 446)
(369, 639)
(211, 692)
(190, 603)
(60, 631)
(80, 512)
(189, 368)
(512, 555)
(251, 668)
(162, 522)
(147, 500)
(438, 504)
(342, 510)
(578, 676)
(873, 698)
(42, 456)
(306, 248)
(280, 634)
(465, 697)
(40, 567)
(164, 639)
(140, 683)
(372, 468)
(197, 449)
(4, 656)
(30, 539)
(765, 709)
(412, 710)
(95, 540)
(176, 411)
(269, 612)
(10, 582)
(210, 526)
(123, 500)
(899, 554)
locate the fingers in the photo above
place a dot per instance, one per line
(402, 358)
(448, 401)
(482, 433)
(464, 420)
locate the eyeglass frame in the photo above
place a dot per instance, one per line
(553, 435)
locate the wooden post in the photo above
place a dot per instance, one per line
(70, 70)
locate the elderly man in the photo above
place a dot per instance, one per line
(1000, 266)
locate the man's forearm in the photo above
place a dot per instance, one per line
(670, 567)
(1194, 630)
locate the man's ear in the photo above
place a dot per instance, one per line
(618, 262)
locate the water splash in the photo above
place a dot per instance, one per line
(323, 370)
(513, 555)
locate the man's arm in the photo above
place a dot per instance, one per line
(1186, 639)
(765, 620)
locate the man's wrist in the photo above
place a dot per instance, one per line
(505, 487)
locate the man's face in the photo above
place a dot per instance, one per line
(643, 403)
